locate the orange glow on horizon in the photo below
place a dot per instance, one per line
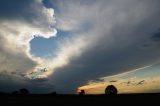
(123, 86)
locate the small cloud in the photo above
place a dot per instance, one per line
(113, 81)
(97, 80)
(128, 83)
(141, 82)
(40, 80)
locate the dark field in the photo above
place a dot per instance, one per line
(68, 100)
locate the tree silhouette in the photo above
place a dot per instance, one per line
(82, 92)
(111, 90)
(53, 93)
(15, 92)
(24, 91)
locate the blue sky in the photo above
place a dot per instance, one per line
(42, 47)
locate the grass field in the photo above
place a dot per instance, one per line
(68, 100)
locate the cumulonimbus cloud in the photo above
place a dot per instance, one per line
(106, 37)
(114, 35)
(20, 21)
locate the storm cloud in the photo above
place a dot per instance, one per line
(20, 21)
(114, 34)
(103, 38)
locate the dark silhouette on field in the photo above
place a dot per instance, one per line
(23, 91)
(15, 92)
(111, 90)
(74, 100)
(53, 93)
(24, 98)
(82, 92)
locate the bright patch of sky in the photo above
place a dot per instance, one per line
(42, 47)
(145, 79)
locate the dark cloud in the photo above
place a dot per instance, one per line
(156, 37)
(113, 81)
(30, 11)
(39, 80)
(112, 36)
(117, 40)
(97, 80)
(15, 9)
(19, 21)
(10, 82)
(141, 82)
(129, 83)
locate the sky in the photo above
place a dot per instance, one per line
(69, 45)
